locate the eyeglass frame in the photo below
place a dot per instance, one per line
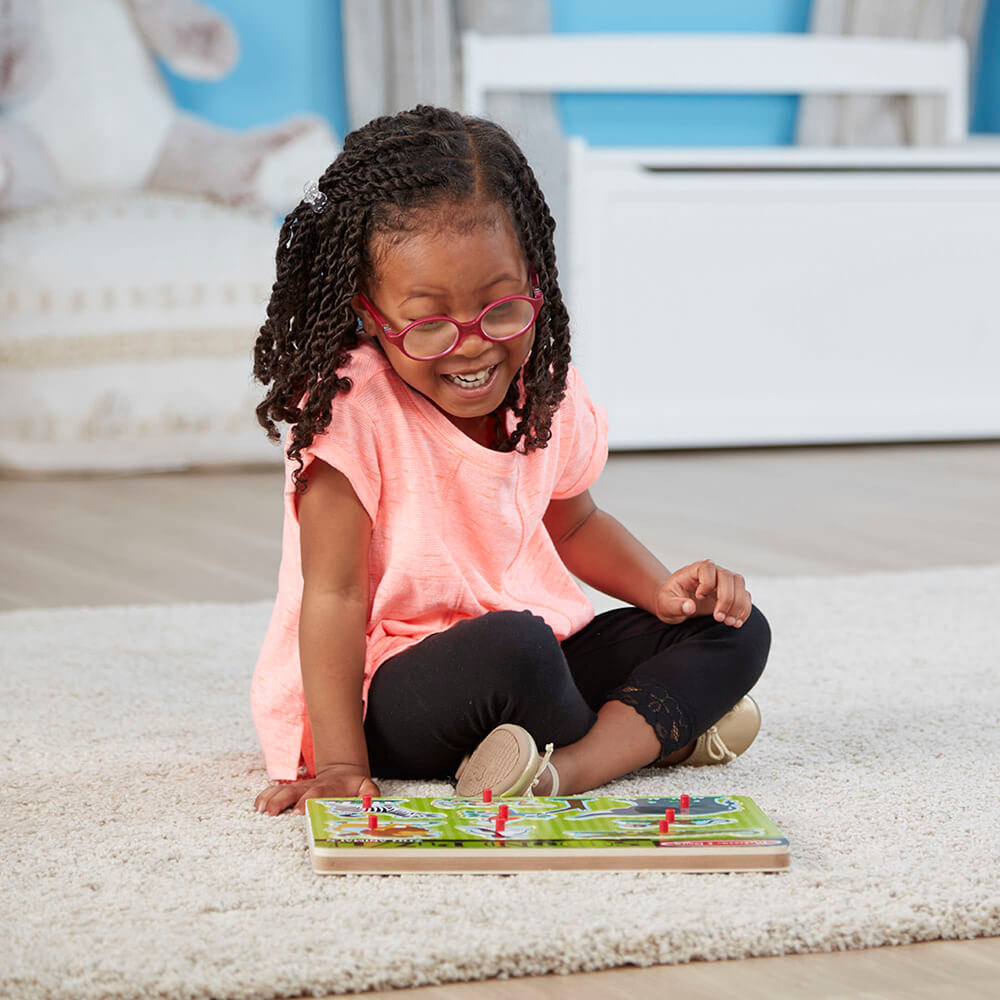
(537, 300)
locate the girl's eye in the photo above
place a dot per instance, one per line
(432, 324)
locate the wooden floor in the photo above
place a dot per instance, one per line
(216, 536)
(819, 511)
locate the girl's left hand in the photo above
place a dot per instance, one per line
(703, 588)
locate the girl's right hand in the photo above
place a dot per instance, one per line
(340, 782)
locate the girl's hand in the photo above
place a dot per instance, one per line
(342, 781)
(703, 588)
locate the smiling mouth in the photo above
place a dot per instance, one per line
(472, 380)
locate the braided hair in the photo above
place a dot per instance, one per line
(390, 173)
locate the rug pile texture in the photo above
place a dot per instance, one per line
(133, 864)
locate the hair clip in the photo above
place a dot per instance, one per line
(314, 198)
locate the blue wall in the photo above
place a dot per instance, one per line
(291, 61)
(986, 94)
(721, 120)
(680, 120)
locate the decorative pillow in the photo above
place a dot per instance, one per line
(127, 326)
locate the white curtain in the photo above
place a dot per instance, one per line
(885, 121)
(400, 53)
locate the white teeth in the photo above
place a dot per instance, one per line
(472, 381)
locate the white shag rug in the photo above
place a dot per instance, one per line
(133, 864)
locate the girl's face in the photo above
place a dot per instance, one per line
(445, 271)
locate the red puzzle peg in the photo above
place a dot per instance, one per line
(501, 822)
(372, 821)
(668, 815)
(503, 812)
(685, 802)
(487, 794)
(366, 802)
(665, 825)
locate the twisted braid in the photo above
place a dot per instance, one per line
(390, 170)
(545, 372)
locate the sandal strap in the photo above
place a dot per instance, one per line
(545, 763)
(715, 746)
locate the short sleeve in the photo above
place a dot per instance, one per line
(583, 445)
(350, 445)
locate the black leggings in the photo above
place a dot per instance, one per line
(433, 703)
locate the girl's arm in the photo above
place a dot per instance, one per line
(598, 550)
(335, 535)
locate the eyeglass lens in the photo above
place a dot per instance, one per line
(504, 321)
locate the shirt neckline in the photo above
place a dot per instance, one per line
(455, 438)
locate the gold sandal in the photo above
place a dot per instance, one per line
(729, 737)
(507, 763)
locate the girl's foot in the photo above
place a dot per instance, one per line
(676, 757)
(547, 780)
(506, 762)
(724, 741)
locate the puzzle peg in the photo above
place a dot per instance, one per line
(372, 821)
(366, 802)
(487, 795)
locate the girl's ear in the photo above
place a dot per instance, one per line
(359, 311)
(365, 321)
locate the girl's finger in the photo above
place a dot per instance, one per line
(706, 578)
(747, 606)
(740, 604)
(686, 578)
(724, 590)
(674, 610)
(279, 799)
(260, 803)
(287, 797)
(315, 791)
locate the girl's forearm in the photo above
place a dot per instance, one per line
(332, 653)
(606, 556)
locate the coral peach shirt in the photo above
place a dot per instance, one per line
(456, 532)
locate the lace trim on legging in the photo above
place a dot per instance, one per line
(669, 719)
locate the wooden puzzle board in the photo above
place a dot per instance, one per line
(462, 835)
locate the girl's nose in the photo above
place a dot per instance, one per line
(472, 345)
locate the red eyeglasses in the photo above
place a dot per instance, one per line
(435, 336)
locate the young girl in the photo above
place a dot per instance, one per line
(427, 622)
